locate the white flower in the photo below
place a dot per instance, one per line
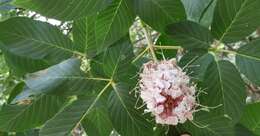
(167, 92)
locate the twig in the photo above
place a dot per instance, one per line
(149, 41)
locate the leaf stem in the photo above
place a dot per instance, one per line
(79, 53)
(148, 38)
(99, 79)
(164, 47)
(141, 54)
(167, 47)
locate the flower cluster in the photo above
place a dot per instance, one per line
(167, 92)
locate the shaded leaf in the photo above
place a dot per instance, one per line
(65, 121)
(207, 16)
(63, 9)
(225, 86)
(248, 61)
(240, 130)
(5, 5)
(116, 64)
(65, 78)
(251, 118)
(98, 122)
(200, 11)
(165, 40)
(32, 132)
(117, 61)
(235, 19)
(197, 68)
(94, 34)
(23, 117)
(15, 91)
(212, 126)
(21, 65)
(190, 35)
(159, 13)
(33, 45)
(81, 109)
(190, 56)
(3, 134)
(127, 120)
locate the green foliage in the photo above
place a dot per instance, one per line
(248, 61)
(200, 11)
(250, 118)
(65, 121)
(85, 77)
(190, 35)
(93, 34)
(225, 87)
(164, 40)
(216, 125)
(98, 122)
(158, 14)
(126, 120)
(64, 10)
(23, 117)
(235, 19)
(33, 45)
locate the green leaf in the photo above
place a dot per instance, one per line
(190, 35)
(94, 34)
(190, 56)
(117, 61)
(33, 44)
(251, 118)
(194, 9)
(65, 78)
(235, 19)
(32, 132)
(197, 68)
(165, 40)
(207, 15)
(65, 121)
(4, 134)
(15, 91)
(22, 117)
(63, 9)
(248, 61)
(211, 125)
(98, 122)
(5, 6)
(225, 86)
(3, 65)
(21, 65)
(240, 130)
(200, 11)
(159, 13)
(116, 64)
(2, 2)
(127, 120)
